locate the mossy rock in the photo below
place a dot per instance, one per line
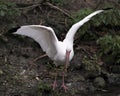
(99, 82)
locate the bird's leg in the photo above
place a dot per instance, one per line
(54, 85)
(65, 70)
(63, 82)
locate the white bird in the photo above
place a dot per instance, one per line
(59, 51)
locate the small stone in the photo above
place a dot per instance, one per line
(69, 84)
(23, 71)
(37, 78)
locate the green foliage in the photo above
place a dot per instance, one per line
(8, 10)
(44, 89)
(110, 45)
(91, 65)
(79, 16)
(109, 17)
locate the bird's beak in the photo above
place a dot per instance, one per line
(67, 59)
(68, 54)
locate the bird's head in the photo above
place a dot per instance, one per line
(68, 50)
(69, 46)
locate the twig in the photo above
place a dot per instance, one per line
(30, 7)
(85, 52)
(59, 9)
(48, 4)
(42, 56)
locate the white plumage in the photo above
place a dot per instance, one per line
(48, 41)
(55, 49)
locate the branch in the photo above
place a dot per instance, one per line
(30, 7)
(48, 4)
(59, 9)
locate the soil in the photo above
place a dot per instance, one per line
(21, 74)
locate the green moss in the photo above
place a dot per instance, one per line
(99, 82)
(8, 9)
(45, 89)
(92, 65)
(109, 48)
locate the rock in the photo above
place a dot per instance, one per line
(99, 82)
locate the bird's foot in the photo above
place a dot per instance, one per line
(64, 87)
(54, 85)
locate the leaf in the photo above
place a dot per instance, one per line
(2, 13)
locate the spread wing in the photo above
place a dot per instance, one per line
(76, 26)
(43, 35)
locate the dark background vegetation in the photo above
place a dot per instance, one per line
(95, 68)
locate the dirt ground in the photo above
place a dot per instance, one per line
(22, 75)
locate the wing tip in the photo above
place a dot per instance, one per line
(109, 8)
